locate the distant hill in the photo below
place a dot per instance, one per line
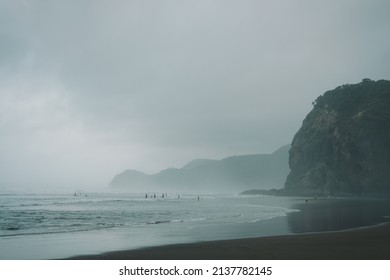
(232, 174)
(199, 162)
(343, 146)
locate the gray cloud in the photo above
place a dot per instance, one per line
(89, 88)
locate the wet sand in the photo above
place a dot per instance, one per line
(371, 243)
(323, 229)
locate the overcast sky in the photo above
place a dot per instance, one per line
(91, 88)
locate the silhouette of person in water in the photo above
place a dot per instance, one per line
(198, 198)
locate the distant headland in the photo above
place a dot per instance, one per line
(231, 174)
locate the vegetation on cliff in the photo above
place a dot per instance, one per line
(343, 146)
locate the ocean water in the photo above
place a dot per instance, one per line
(45, 226)
(51, 226)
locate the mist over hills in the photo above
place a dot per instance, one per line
(231, 174)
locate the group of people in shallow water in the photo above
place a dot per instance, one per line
(163, 195)
(146, 195)
(154, 196)
(80, 194)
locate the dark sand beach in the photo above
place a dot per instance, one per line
(371, 243)
(322, 230)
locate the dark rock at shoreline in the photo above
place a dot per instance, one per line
(273, 192)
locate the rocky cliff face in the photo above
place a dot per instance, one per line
(343, 146)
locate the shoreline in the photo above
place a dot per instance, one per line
(364, 243)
